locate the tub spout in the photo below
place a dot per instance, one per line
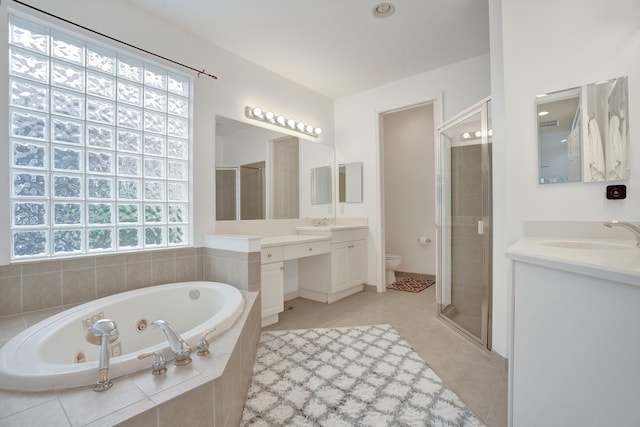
(107, 331)
(633, 228)
(179, 347)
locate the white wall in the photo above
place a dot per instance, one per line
(357, 132)
(240, 83)
(569, 43)
(409, 187)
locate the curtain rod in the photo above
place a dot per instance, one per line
(200, 72)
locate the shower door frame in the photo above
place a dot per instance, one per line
(444, 211)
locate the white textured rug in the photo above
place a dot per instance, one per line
(361, 376)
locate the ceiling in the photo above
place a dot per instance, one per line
(336, 47)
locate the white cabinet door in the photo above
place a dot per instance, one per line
(339, 267)
(272, 288)
(357, 257)
(348, 265)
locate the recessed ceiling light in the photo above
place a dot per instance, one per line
(543, 113)
(383, 10)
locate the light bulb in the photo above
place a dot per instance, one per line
(291, 123)
(317, 131)
(281, 120)
(309, 129)
(466, 135)
(300, 126)
(257, 111)
(269, 115)
(478, 134)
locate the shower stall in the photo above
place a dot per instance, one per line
(464, 223)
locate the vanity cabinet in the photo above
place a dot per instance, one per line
(275, 252)
(575, 339)
(272, 296)
(347, 264)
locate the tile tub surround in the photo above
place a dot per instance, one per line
(43, 285)
(242, 269)
(39, 289)
(210, 392)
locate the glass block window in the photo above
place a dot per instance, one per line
(99, 147)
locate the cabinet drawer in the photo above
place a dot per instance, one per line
(301, 250)
(271, 254)
(349, 235)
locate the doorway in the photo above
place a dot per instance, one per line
(465, 223)
(408, 189)
(285, 181)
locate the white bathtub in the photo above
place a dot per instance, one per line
(54, 354)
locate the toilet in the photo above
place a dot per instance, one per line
(391, 263)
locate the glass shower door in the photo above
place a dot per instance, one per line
(464, 223)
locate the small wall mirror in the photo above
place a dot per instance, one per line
(350, 182)
(321, 185)
(583, 133)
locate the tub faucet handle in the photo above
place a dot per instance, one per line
(203, 344)
(159, 365)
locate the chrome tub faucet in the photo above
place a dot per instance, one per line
(179, 347)
(633, 228)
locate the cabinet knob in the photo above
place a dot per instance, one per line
(310, 249)
(268, 255)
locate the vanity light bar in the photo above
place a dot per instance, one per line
(257, 113)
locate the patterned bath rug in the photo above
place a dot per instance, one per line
(344, 377)
(410, 284)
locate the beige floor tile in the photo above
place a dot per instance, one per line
(476, 375)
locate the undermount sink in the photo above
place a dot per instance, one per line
(587, 245)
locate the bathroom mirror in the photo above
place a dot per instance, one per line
(350, 182)
(321, 185)
(583, 133)
(264, 174)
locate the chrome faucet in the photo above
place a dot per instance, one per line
(107, 331)
(633, 228)
(320, 222)
(179, 347)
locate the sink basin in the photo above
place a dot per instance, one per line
(586, 245)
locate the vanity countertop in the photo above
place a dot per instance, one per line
(610, 259)
(290, 239)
